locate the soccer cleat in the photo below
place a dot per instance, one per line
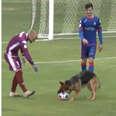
(28, 93)
(13, 94)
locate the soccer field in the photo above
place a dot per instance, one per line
(57, 60)
(46, 84)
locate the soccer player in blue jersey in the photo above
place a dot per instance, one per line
(88, 27)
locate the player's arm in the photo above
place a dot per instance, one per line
(81, 33)
(25, 52)
(23, 57)
(99, 28)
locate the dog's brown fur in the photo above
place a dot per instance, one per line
(83, 79)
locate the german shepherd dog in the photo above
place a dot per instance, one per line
(81, 80)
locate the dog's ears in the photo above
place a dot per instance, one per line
(61, 82)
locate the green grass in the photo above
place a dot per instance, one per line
(46, 84)
(16, 18)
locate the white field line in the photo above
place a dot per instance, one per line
(70, 61)
(5, 42)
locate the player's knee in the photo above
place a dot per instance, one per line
(91, 60)
(83, 61)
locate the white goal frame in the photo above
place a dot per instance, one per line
(50, 35)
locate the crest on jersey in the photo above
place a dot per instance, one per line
(85, 20)
(94, 23)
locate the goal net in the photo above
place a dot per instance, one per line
(66, 16)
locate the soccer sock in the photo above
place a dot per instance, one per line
(20, 80)
(14, 84)
(83, 66)
(91, 67)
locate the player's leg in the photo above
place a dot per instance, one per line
(83, 64)
(13, 88)
(19, 74)
(15, 65)
(92, 51)
(20, 81)
(91, 65)
(14, 84)
(83, 57)
(12, 67)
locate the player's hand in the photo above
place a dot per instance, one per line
(85, 42)
(35, 68)
(100, 47)
(23, 60)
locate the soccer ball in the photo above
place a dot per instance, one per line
(63, 96)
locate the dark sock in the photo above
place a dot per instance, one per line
(14, 84)
(83, 66)
(20, 81)
(91, 67)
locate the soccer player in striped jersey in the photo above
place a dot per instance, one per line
(88, 27)
(16, 44)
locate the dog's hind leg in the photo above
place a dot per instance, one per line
(93, 87)
(89, 87)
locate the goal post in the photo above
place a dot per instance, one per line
(58, 18)
(51, 20)
(43, 18)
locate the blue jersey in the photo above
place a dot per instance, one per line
(88, 28)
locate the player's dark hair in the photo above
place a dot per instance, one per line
(88, 5)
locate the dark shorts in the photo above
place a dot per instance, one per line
(14, 62)
(88, 51)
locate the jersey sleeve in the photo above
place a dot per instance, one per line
(99, 29)
(24, 51)
(80, 30)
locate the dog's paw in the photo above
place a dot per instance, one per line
(71, 99)
(90, 97)
(93, 98)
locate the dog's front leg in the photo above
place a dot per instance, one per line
(73, 97)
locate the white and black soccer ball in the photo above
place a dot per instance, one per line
(63, 96)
